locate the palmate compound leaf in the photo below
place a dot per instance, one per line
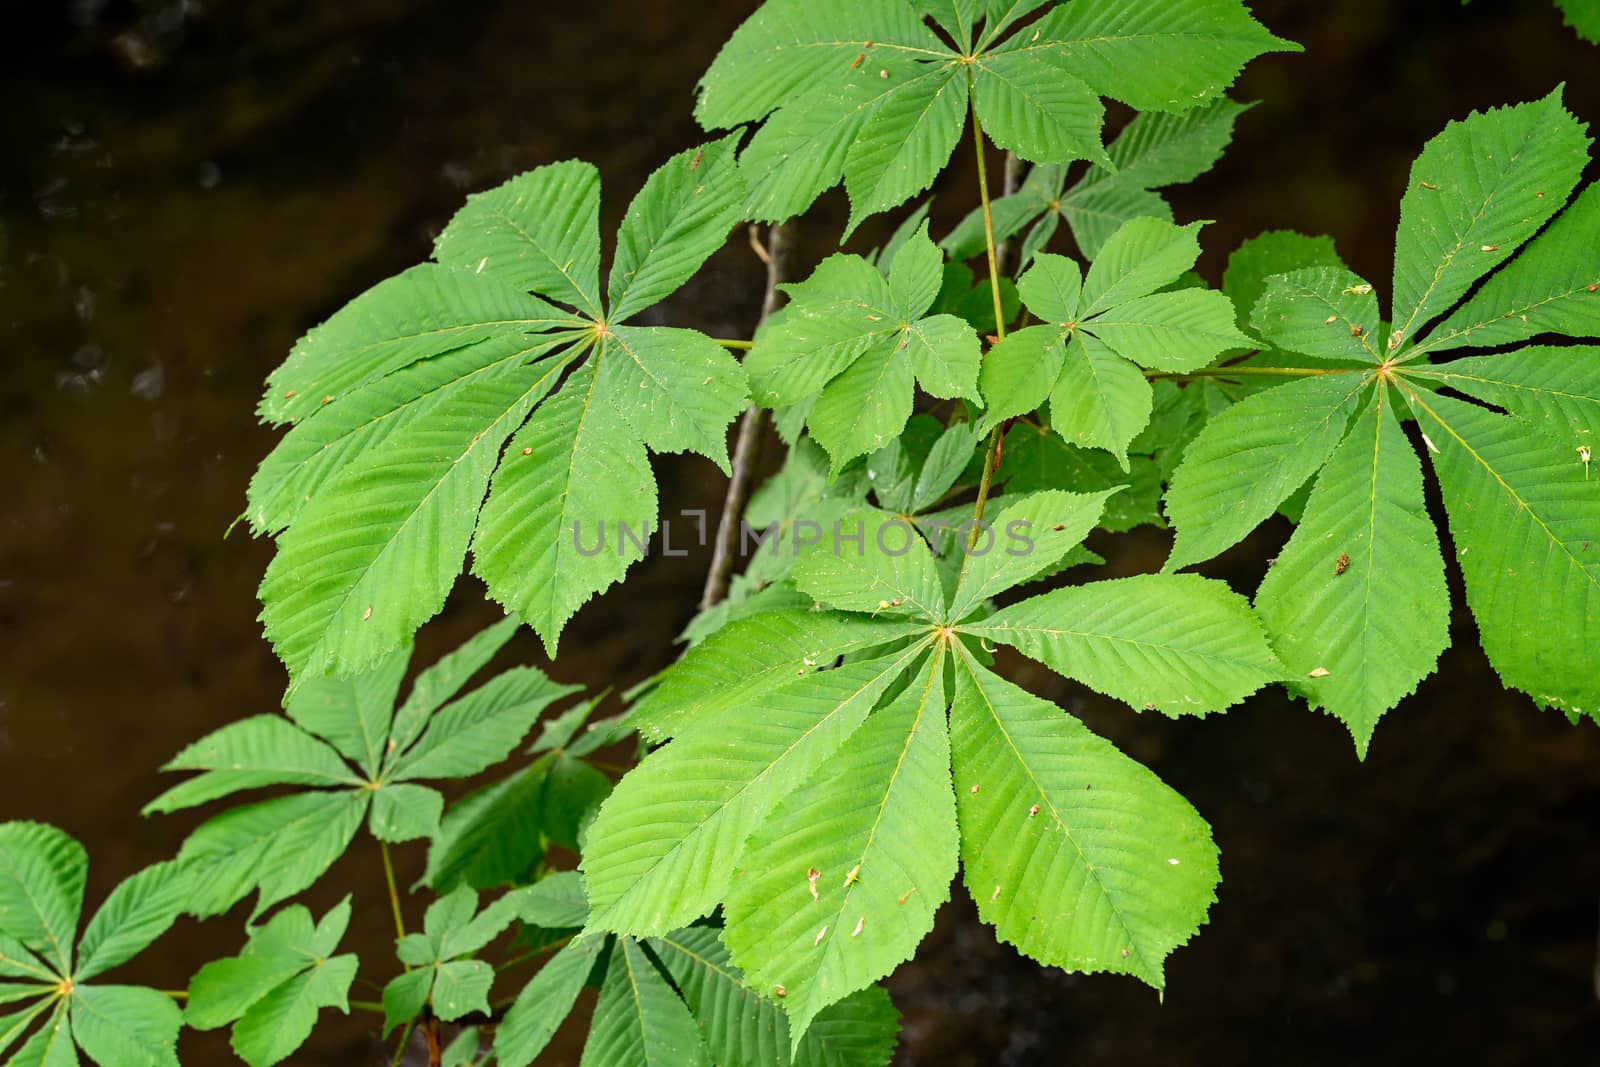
(1514, 486)
(858, 343)
(869, 93)
(667, 842)
(282, 845)
(274, 989)
(545, 1001)
(42, 876)
(405, 400)
(842, 880)
(1356, 603)
(439, 971)
(1076, 854)
(1101, 329)
(744, 1029)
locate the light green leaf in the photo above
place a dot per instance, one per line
(461, 988)
(860, 410)
(1546, 289)
(1178, 331)
(737, 666)
(259, 751)
(481, 728)
(139, 910)
(1158, 149)
(1032, 536)
(353, 714)
(798, 153)
(544, 1002)
(1154, 57)
(42, 874)
(875, 562)
(945, 355)
(278, 846)
(665, 846)
(280, 1022)
(16, 961)
(1100, 400)
(275, 986)
(1525, 518)
(573, 473)
(50, 1046)
(788, 46)
(907, 139)
(405, 996)
(1356, 605)
(1479, 189)
(1175, 643)
(842, 310)
(1031, 103)
(129, 1026)
(362, 568)
(425, 311)
(319, 450)
(1326, 313)
(950, 455)
(680, 216)
(873, 836)
(1095, 214)
(1036, 460)
(1247, 460)
(557, 900)
(1142, 256)
(1076, 854)
(915, 270)
(403, 812)
(539, 231)
(14, 1024)
(676, 389)
(1052, 288)
(442, 680)
(1267, 254)
(639, 1018)
(1018, 372)
(463, 1051)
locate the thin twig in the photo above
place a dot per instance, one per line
(747, 447)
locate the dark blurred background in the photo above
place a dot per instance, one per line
(185, 187)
